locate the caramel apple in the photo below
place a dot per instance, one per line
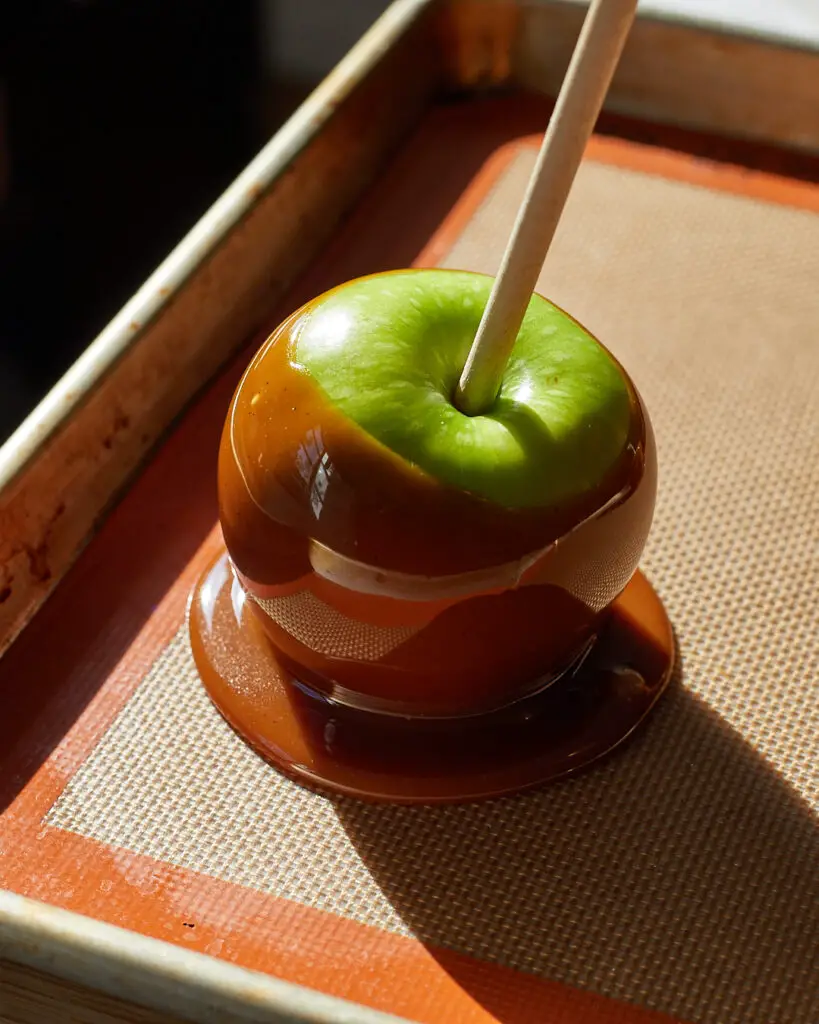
(434, 490)
(401, 556)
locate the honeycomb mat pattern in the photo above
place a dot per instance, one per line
(322, 628)
(683, 873)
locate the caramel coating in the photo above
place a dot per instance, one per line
(385, 588)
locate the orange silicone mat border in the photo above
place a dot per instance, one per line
(276, 935)
(633, 156)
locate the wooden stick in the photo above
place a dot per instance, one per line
(581, 96)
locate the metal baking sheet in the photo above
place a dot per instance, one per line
(65, 467)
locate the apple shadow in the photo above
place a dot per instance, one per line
(678, 874)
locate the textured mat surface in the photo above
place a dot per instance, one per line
(683, 874)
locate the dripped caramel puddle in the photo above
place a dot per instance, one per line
(326, 745)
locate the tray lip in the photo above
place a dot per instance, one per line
(697, 24)
(780, 38)
(79, 949)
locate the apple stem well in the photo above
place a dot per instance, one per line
(581, 96)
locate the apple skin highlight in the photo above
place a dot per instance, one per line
(384, 585)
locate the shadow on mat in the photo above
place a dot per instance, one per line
(678, 875)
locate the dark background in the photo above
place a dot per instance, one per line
(120, 122)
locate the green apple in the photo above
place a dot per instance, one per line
(388, 351)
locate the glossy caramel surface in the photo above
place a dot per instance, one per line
(582, 717)
(386, 588)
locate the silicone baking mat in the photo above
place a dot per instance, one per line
(675, 881)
